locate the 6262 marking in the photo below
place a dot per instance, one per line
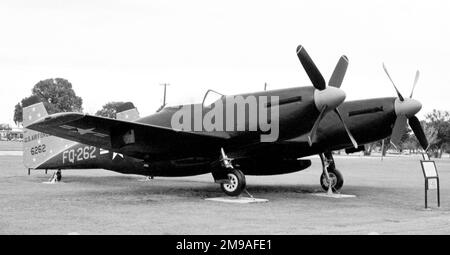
(37, 149)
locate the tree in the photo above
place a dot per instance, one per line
(368, 148)
(18, 117)
(18, 109)
(109, 110)
(57, 96)
(384, 149)
(440, 122)
(430, 133)
(411, 143)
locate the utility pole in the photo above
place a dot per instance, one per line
(265, 86)
(165, 88)
(164, 99)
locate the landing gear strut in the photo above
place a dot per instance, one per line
(58, 175)
(330, 174)
(234, 182)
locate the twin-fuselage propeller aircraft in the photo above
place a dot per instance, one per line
(288, 124)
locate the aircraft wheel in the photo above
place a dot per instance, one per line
(236, 185)
(337, 181)
(58, 176)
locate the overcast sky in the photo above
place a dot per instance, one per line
(123, 50)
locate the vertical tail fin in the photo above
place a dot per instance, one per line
(39, 147)
(127, 111)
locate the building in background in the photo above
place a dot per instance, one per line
(13, 134)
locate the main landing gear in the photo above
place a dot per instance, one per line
(236, 183)
(56, 177)
(331, 179)
(232, 180)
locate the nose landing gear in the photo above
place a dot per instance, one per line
(330, 179)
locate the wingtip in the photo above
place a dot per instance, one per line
(299, 48)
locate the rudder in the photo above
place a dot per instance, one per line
(127, 111)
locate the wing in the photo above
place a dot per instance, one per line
(131, 138)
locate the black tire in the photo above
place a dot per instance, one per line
(58, 176)
(237, 183)
(336, 177)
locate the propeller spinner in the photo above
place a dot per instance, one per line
(326, 98)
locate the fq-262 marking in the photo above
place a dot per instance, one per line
(79, 154)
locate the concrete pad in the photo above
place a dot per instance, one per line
(334, 195)
(238, 200)
(51, 182)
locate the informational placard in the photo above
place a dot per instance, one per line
(429, 168)
(432, 184)
(431, 179)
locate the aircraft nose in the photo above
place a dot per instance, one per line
(331, 97)
(408, 107)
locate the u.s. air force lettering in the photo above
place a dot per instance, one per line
(33, 137)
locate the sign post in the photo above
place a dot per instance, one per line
(431, 179)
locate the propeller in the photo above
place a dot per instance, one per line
(326, 98)
(405, 109)
(395, 87)
(415, 83)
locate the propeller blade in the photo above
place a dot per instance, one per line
(398, 92)
(339, 72)
(415, 82)
(398, 130)
(312, 133)
(355, 144)
(313, 72)
(414, 123)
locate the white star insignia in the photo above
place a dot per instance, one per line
(115, 154)
(85, 131)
